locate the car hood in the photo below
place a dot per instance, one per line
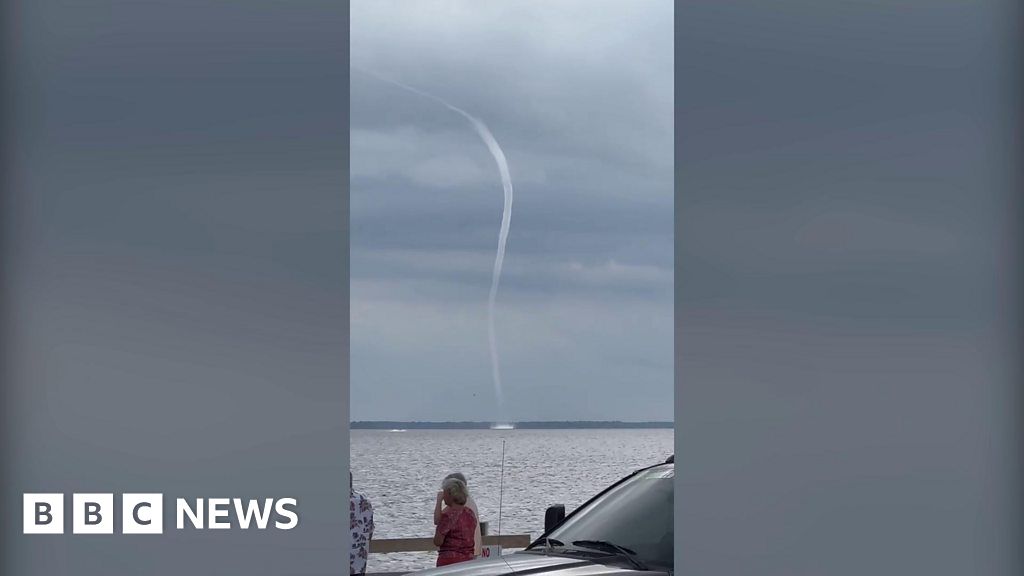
(525, 564)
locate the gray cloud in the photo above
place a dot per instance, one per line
(580, 97)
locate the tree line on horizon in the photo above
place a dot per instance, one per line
(526, 425)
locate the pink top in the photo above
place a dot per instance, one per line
(458, 528)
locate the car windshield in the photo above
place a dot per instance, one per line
(636, 515)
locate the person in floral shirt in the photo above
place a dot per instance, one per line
(361, 514)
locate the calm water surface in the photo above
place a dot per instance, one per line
(400, 472)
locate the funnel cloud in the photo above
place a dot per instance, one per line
(506, 217)
(578, 99)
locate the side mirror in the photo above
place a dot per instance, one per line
(553, 517)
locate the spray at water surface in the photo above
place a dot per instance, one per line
(506, 217)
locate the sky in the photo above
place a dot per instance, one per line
(580, 97)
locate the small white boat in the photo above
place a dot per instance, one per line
(397, 430)
(502, 426)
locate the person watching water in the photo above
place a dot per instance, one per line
(471, 504)
(456, 524)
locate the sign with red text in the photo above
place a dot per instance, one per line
(490, 551)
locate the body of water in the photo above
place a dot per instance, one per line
(401, 472)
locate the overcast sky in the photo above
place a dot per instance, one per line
(580, 97)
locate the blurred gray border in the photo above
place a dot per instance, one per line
(136, 135)
(997, 546)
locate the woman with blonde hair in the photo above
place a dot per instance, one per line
(471, 504)
(457, 524)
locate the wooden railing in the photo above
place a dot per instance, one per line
(427, 544)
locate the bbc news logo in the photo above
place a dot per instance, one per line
(144, 513)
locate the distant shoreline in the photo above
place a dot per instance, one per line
(549, 425)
